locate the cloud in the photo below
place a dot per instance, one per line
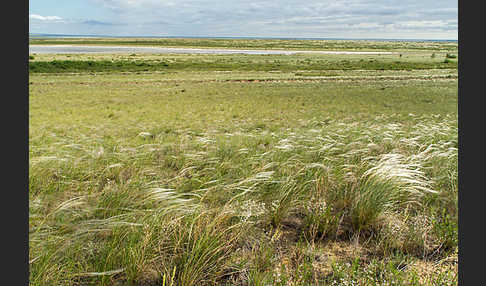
(45, 18)
(96, 23)
(430, 25)
(292, 18)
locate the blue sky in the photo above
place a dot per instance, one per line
(388, 19)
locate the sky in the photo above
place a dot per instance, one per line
(353, 19)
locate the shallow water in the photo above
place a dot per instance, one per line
(72, 49)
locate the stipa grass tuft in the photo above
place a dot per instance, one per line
(391, 184)
(199, 248)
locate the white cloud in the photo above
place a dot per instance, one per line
(431, 25)
(292, 18)
(45, 18)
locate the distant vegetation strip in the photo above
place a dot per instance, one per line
(260, 44)
(60, 66)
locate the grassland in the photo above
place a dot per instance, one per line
(368, 45)
(233, 170)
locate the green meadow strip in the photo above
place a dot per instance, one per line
(69, 66)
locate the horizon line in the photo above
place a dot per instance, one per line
(238, 37)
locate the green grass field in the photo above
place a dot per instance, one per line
(258, 43)
(244, 169)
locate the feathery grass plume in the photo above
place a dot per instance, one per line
(105, 225)
(162, 200)
(250, 184)
(42, 159)
(391, 183)
(58, 220)
(70, 204)
(105, 273)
